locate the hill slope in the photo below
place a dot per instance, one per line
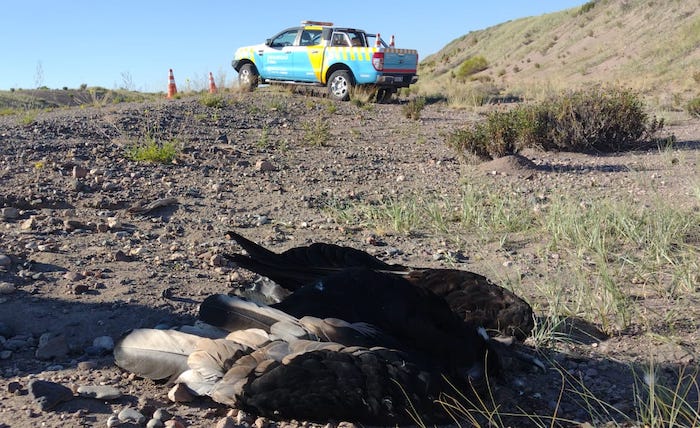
(649, 45)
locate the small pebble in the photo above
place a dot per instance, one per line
(7, 288)
(100, 392)
(5, 260)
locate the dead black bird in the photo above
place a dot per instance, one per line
(401, 316)
(472, 296)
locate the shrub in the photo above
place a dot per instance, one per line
(212, 100)
(694, 107)
(586, 7)
(152, 151)
(606, 120)
(471, 65)
(412, 109)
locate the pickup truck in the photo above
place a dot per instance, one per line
(317, 53)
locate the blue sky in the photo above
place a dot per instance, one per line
(134, 43)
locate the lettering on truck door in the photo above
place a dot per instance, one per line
(277, 57)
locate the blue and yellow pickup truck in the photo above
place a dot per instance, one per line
(317, 53)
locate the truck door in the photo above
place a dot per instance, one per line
(277, 56)
(308, 56)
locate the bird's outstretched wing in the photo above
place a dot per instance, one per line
(476, 299)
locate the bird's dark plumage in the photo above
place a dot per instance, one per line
(472, 296)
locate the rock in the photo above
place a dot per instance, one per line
(154, 423)
(227, 422)
(113, 421)
(100, 392)
(28, 224)
(73, 276)
(5, 260)
(7, 288)
(9, 213)
(173, 423)
(180, 394)
(80, 171)
(131, 415)
(223, 139)
(264, 166)
(260, 422)
(87, 365)
(161, 414)
(48, 394)
(51, 346)
(104, 342)
(121, 256)
(14, 387)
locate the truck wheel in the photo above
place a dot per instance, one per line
(248, 77)
(339, 85)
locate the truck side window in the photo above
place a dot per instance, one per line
(339, 39)
(285, 39)
(310, 37)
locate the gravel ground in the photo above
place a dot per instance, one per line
(84, 258)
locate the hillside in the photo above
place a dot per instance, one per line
(649, 45)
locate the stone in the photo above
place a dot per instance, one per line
(48, 394)
(80, 171)
(73, 276)
(154, 423)
(14, 387)
(131, 415)
(5, 330)
(51, 346)
(161, 414)
(113, 421)
(5, 260)
(100, 392)
(180, 394)
(173, 423)
(121, 256)
(104, 342)
(28, 224)
(87, 365)
(227, 422)
(264, 166)
(10, 213)
(7, 288)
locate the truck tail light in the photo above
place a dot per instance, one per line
(378, 61)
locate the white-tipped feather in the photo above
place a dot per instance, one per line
(155, 354)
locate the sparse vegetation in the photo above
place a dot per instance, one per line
(412, 109)
(153, 151)
(212, 100)
(471, 66)
(694, 107)
(601, 119)
(316, 132)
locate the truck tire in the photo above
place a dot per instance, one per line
(248, 77)
(339, 85)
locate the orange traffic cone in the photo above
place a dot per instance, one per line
(212, 85)
(391, 41)
(378, 43)
(172, 89)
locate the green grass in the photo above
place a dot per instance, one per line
(606, 249)
(153, 151)
(316, 132)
